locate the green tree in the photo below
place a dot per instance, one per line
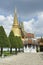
(16, 44)
(4, 42)
(20, 43)
(12, 41)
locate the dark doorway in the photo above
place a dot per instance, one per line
(41, 48)
(25, 45)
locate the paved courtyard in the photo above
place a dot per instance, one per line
(23, 59)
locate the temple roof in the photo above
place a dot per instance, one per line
(40, 41)
(29, 35)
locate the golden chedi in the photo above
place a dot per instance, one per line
(16, 28)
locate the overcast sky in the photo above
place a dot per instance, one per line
(29, 11)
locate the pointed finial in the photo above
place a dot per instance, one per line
(15, 10)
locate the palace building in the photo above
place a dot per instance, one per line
(29, 41)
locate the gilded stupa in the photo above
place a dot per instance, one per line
(16, 28)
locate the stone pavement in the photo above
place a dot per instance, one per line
(23, 59)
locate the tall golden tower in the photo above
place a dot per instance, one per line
(16, 28)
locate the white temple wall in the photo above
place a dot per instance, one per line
(30, 49)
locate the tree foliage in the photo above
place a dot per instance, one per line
(15, 41)
(4, 42)
(11, 39)
(20, 43)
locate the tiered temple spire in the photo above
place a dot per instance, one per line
(15, 18)
(15, 28)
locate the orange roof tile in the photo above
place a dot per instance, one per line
(30, 35)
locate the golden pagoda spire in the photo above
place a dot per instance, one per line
(15, 18)
(15, 28)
